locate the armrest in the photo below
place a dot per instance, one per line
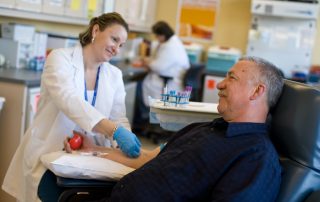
(79, 183)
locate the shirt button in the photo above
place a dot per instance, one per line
(212, 129)
(121, 186)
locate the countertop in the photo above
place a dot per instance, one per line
(24, 76)
(32, 78)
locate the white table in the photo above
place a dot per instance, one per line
(174, 118)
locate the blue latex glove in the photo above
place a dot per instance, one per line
(127, 141)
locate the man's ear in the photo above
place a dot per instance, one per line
(259, 91)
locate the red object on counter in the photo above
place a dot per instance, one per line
(315, 69)
(76, 141)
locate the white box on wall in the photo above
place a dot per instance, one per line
(40, 44)
(29, 5)
(210, 91)
(55, 7)
(75, 8)
(18, 32)
(17, 54)
(54, 42)
(108, 6)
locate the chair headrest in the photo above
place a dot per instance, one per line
(295, 126)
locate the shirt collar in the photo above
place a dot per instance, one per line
(239, 128)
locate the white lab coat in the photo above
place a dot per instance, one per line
(62, 106)
(170, 60)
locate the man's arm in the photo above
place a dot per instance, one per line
(118, 156)
(114, 154)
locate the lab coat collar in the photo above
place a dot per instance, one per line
(78, 66)
(77, 57)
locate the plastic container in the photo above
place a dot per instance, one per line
(221, 59)
(194, 52)
(314, 74)
(36, 63)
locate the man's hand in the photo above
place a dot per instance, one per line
(127, 141)
(87, 144)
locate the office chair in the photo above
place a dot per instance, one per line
(295, 131)
(194, 78)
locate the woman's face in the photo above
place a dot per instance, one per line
(107, 43)
(160, 38)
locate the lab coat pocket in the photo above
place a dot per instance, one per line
(33, 151)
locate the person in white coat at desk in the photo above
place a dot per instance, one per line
(80, 90)
(167, 67)
(169, 62)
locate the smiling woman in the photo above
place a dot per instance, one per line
(106, 44)
(82, 91)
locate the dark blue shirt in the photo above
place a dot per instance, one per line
(216, 161)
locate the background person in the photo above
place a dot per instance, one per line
(228, 159)
(170, 62)
(79, 90)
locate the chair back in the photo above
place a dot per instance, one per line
(194, 78)
(295, 131)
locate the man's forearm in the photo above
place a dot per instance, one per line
(118, 156)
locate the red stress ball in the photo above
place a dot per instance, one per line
(76, 141)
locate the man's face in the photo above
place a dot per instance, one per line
(236, 89)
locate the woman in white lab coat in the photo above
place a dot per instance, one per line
(170, 60)
(80, 90)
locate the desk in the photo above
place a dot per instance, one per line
(175, 118)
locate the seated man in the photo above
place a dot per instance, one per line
(228, 159)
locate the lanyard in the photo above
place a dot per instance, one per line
(95, 89)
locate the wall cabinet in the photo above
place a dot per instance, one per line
(61, 11)
(140, 14)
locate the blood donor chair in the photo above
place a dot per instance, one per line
(295, 131)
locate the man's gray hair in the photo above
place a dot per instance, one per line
(271, 76)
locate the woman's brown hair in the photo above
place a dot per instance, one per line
(105, 20)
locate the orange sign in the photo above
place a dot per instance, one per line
(211, 84)
(197, 19)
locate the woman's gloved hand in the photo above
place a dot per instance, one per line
(127, 141)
